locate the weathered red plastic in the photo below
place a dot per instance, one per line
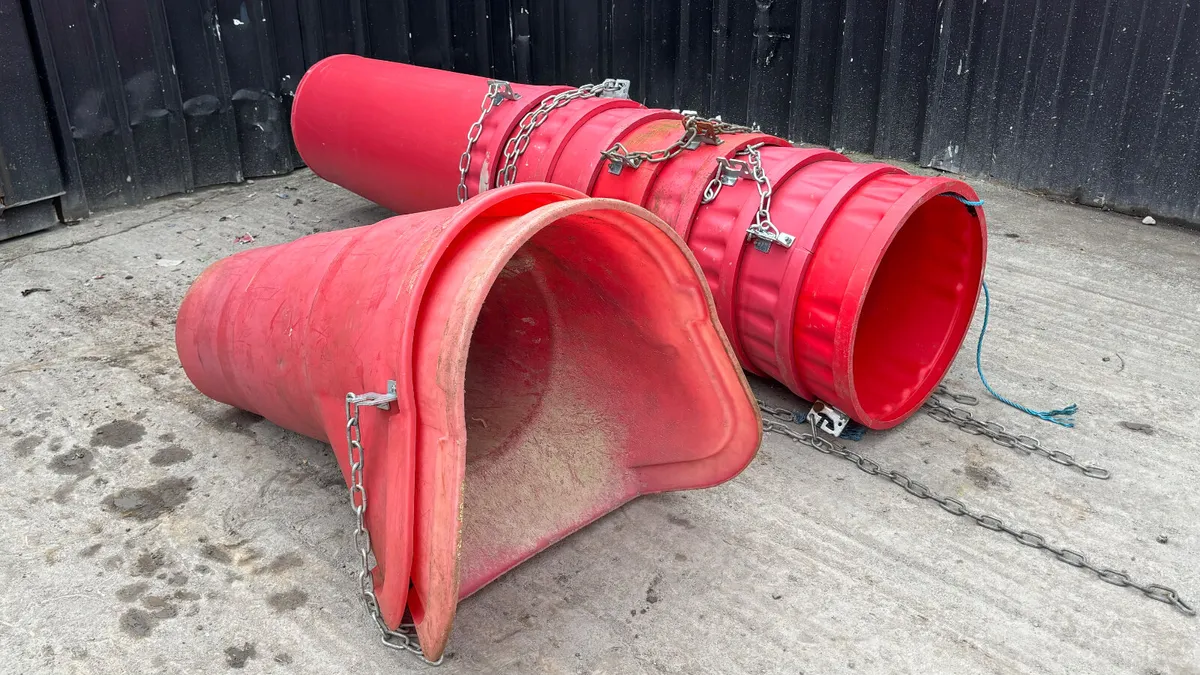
(540, 344)
(866, 310)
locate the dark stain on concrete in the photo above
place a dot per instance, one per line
(26, 446)
(113, 563)
(75, 462)
(236, 657)
(251, 555)
(239, 421)
(1140, 427)
(681, 522)
(148, 563)
(166, 438)
(652, 590)
(985, 477)
(90, 551)
(287, 600)
(152, 501)
(283, 659)
(160, 607)
(282, 563)
(137, 622)
(186, 596)
(132, 591)
(172, 454)
(216, 553)
(118, 434)
(63, 494)
(177, 579)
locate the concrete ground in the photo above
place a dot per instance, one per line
(239, 553)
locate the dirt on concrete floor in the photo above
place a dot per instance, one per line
(149, 529)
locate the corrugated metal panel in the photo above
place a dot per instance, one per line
(28, 167)
(1099, 101)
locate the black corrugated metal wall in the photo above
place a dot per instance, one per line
(109, 102)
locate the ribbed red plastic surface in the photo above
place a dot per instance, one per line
(547, 142)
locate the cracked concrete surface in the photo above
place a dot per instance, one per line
(151, 530)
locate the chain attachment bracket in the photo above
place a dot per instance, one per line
(516, 146)
(696, 131)
(404, 639)
(615, 88)
(762, 231)
(827, 418)
(498, 92)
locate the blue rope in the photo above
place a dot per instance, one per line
(963, 199)
(1048, 415)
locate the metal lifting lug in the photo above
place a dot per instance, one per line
(763, 239)
(374, 400)
(618, 158)
(730, 170)
(504, 91)
(615, 88)
(707, 131)
(828, 418)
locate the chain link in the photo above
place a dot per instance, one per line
(957, 508)
(696, 130)
(498, 92)
(519, 143)
(404, 639)
(963, 419)
(762, 231)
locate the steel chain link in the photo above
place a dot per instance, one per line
(404, 639)
(762, 231)
(498, 92)
(696, 130)
(813, 439)
(964, 420)
(519, 143)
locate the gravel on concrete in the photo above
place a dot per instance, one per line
(148, 529)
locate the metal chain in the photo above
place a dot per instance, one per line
(498, 92)
(516, 146)
(404, 639)
(696, 130)
(955, 507)
(963, 419)
(762, 231)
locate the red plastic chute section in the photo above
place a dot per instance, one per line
(538, 342)
(427, 114)
(866, 309)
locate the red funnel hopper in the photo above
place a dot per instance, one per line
(554, 357)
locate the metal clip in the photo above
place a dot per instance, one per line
(707, 131)
(763, 238)
(615, 88)
(380, 401)
(730, 170)
(618, 158)
(828, 418)
(504, 92)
